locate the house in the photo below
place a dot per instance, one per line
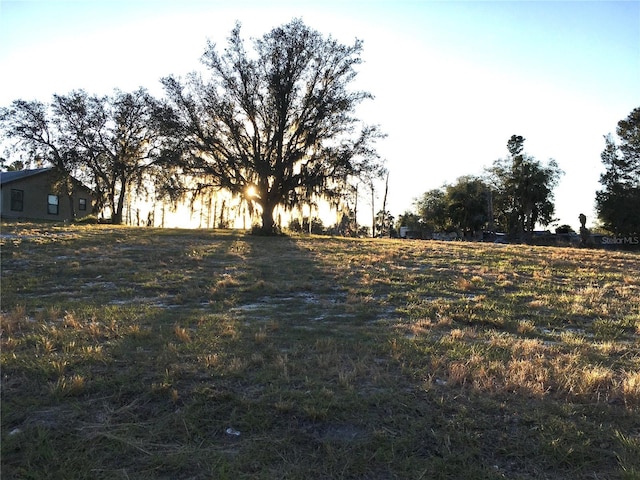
(35, 195)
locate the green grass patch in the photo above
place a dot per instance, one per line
(148, 353)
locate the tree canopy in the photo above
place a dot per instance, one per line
(515, 194)
(468, 204)
(462, 206)
(275, 125)
(522, 190)
(431, 208)
(618, 203)
(113, 143)
(30, 125)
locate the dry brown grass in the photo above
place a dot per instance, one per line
(181, 333)
(631, 386)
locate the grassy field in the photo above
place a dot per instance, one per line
(133, 353)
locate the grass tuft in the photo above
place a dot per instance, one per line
(181, 333)
(68, 386)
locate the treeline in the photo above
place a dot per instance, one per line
(516, 193)
(274, 125)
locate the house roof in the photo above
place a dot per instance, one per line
(8, 177)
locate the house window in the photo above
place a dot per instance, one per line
(52, 205)
(17, 200)
(82, 205)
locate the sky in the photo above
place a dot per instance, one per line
(451, 80)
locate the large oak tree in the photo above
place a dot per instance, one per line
(274, 124)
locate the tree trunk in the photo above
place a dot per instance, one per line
(529, 225)
(385, 230)
(373, 211)
(221, 219)
(117, 214)
(490, 223)
(116, 218)
(268, 226)
(72, 208)
(355, 213)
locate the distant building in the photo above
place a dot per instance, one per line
(32, 195)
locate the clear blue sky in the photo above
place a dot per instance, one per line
(452, 80)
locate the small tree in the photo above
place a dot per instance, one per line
(618, 203)
(278, 121)
(384, 223)
(564, 229)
